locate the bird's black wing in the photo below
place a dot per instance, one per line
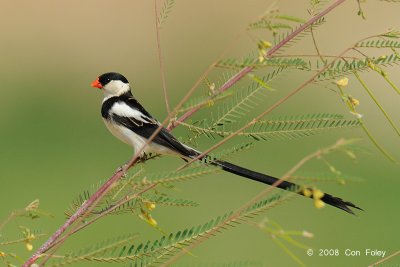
(144, 125)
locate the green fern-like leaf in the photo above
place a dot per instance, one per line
(151, 253)
(243, 101)
(284, 128)
(379, 43)
(97, 250)
(169, 201)
(117, 189)
(240, 104)
(200, 101)
(231, 151)
(342, 67)
(197, 169)
(123, 189)
(279, 37)
(165, 11)
(135, 204)
(273, 20)
(254, 62)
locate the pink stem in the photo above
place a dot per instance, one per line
(73, 218)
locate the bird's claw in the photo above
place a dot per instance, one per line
(121, 169)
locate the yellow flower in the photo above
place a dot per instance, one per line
(151, 221)
(264, 45)
(319, 203)
(28, 245)
(371, 65)
(2, 254)
(211, 86)
(148, 218)
(307, 192)
(150, 205)
(317, 194)
(354, 101)
(343, 82)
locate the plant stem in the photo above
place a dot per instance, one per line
(366, 130)
(385, 259)
(377, 145)
(106, 212)
(160, 58)
(376, 102)
(7, 220)
(222, 89)
(21, 240)
(85, 206)
(391, 83)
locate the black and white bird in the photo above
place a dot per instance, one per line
(127, 119)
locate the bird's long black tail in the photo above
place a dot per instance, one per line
(266, 179)
(189, 152)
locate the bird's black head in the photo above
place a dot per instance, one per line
(112, 84)
(105, 78)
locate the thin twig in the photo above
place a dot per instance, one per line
(313, 55)
(385, 259)
(316, 45)
(364, 85)
(20, 240)
(160, 58)
(80, 226)
(73, 218)
(366, 130)
(391, 83)
(7, 220)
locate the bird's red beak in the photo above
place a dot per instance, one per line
(96, 84)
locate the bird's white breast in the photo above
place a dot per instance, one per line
(136, 141)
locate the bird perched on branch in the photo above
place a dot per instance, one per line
(129, 121)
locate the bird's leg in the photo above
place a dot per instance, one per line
(144, 157)
(121, 169)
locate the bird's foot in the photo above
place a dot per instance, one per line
(122, 169)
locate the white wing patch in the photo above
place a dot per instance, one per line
(123, 110)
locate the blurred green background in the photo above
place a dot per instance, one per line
(53, 143)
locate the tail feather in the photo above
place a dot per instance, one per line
(266, 179)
